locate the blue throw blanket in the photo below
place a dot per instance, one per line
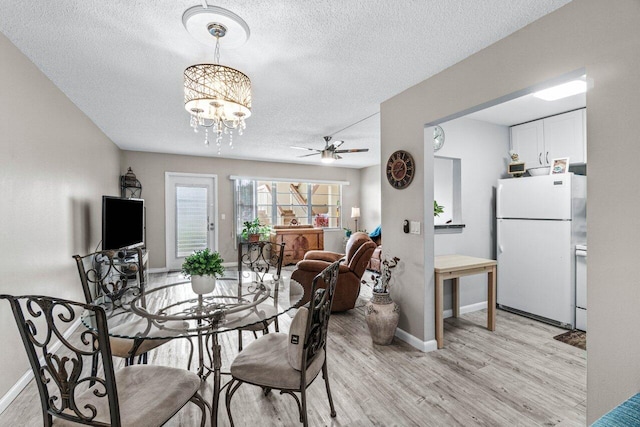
(626, 414)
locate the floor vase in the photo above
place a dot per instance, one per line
(382, 316)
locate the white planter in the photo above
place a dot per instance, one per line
(203, 284)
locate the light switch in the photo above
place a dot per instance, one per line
(414, 227)
(222, 216)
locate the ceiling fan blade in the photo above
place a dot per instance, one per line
(337, 144)
(312, 154)
(305, 148)
(353, 150)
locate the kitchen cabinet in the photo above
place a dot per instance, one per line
(540, 141)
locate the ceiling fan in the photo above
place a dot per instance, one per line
(330, 151)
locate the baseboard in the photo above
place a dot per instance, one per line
(424, 346)
(14, 391)
(158, 270)
(466, 309)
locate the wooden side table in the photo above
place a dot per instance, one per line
(454, 267)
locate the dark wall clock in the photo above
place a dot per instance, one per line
(400, 169)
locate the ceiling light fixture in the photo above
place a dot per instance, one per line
(327, 156)
(564, 90)
(217, 97)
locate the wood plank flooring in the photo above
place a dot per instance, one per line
(516, 376)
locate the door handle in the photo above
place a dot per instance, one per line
(540, 158)
(547, 157)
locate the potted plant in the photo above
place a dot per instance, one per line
(253, 230)
(437, 209)
(203, 267)
(381, 313)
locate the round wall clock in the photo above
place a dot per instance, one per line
(400, 169)
(438, 138)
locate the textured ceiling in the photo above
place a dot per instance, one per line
(317, 66)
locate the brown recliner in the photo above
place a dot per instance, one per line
(352, 266)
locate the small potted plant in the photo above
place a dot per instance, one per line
(253, 230)
(203, 267)
(437, 209)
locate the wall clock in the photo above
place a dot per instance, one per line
(438, 138)
(400, 169)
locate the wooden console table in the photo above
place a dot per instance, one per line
(298, 241)
(454, 267)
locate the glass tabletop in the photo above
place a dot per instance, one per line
(172, 309)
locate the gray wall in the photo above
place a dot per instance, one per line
(482, 149)
(151, 167)
(55, 165)
(370, 203)
(605, 40)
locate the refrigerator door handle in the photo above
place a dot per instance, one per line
(498, 238)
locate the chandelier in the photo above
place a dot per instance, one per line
(217, 97)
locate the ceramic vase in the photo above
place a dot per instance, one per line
(203, 284)
(382, 316)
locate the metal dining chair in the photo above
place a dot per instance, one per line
(117, 277)
(131, 396)
(261, 260)
(290, 362)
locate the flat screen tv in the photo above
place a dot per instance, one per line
(122, 223)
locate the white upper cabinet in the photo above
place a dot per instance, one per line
(539, 142)
(528, 141)
(564, 136)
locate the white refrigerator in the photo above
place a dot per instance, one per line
(540, 220)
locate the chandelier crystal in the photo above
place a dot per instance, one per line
(217, 97)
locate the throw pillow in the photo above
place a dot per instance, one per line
(297, 333)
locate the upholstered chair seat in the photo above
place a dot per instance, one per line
(143, 395)
(126, 347)
(262, 363)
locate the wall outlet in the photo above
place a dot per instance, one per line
(414, 227)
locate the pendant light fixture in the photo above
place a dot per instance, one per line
(217, 97)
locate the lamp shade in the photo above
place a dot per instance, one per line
(355, 212)
(216, 91)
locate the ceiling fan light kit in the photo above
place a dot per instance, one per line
(217, 97)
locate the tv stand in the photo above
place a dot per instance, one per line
(141, 257)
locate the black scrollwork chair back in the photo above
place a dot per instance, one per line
(290, 362)
(69, 392)
(260, 262)
(116, 278)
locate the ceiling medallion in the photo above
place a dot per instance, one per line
(217, 97)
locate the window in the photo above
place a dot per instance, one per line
(280, 202)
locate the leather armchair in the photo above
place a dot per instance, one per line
(352, 266)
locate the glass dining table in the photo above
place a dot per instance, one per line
(171, 310)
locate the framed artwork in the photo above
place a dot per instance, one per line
(560, 165)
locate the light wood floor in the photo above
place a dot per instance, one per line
(516, 376)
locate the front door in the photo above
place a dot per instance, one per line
(190, 212)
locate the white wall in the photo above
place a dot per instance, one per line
(482, 149)
(150, 168)
(588, 34)
(370, 198)
(55, 165)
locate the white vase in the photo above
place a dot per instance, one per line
(203, 284)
